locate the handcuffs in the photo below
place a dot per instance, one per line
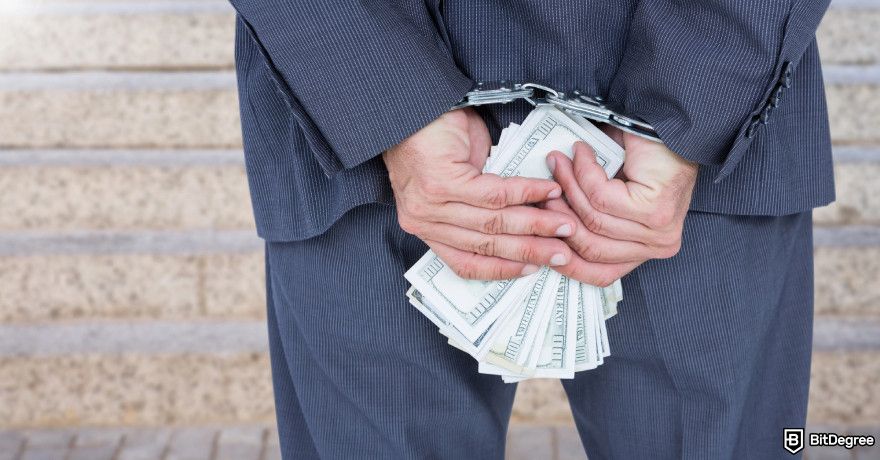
(502, 92)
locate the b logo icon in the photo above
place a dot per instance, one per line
(793, 439)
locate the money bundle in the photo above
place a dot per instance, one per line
(543, 325)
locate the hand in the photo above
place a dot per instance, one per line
(477, 223)
(623, 221)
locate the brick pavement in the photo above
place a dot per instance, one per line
(525, 442)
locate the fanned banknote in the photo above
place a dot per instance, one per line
(543, 325)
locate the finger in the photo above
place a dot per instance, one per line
(512, 220)
(495, 192)
(596, 274)
(475, 266)
(528, 249)
(610, 196)
(597, 248)
(593, 247)
(595, 221)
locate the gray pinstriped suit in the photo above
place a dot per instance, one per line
(711, 350)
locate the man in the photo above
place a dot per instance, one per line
(357, 167)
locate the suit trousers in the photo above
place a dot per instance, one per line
(710, 351)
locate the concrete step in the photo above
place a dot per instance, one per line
(124, 110)
(849, 33)
(205, 274)
(117, 35)
(124, 190)
(158, 373)
(856, 170)
(144, 275)
(199, 109)
(199, 34)
(842, 392)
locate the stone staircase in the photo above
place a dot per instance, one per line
(131, 290)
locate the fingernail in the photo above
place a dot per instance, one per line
(557, 260)
(551, 163)
(564, 230)
(555, 193)
(529, 269)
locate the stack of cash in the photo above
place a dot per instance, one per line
(543, 325)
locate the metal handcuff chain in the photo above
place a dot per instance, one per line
(590, 107)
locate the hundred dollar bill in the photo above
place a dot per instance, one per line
(588, 355)
(544, 130)
(515, 338)
(456, 338)
(557, 354)
(604, 348)
(471, 306)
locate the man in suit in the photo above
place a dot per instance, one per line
(357, 167)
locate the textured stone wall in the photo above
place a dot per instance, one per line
(131, 288)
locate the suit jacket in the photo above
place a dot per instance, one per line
(325, 87)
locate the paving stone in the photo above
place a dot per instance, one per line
(93, 453)
(45, 453)
(99, 437)
(145, 444)
(828, 453)
(569, 446)
(530, 442)
(273, 445)
(61, 438)
(192, 444)
(244, 443)
(11, 443)
(867, 452)
(273, 452)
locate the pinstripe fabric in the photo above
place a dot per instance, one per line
(358, 372)
(710, 350)
(326, 86)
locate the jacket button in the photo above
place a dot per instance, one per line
(776, 97)
(785, 78)
(750, 132)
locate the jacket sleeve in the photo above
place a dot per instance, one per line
(360, 76)
(707, 74)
